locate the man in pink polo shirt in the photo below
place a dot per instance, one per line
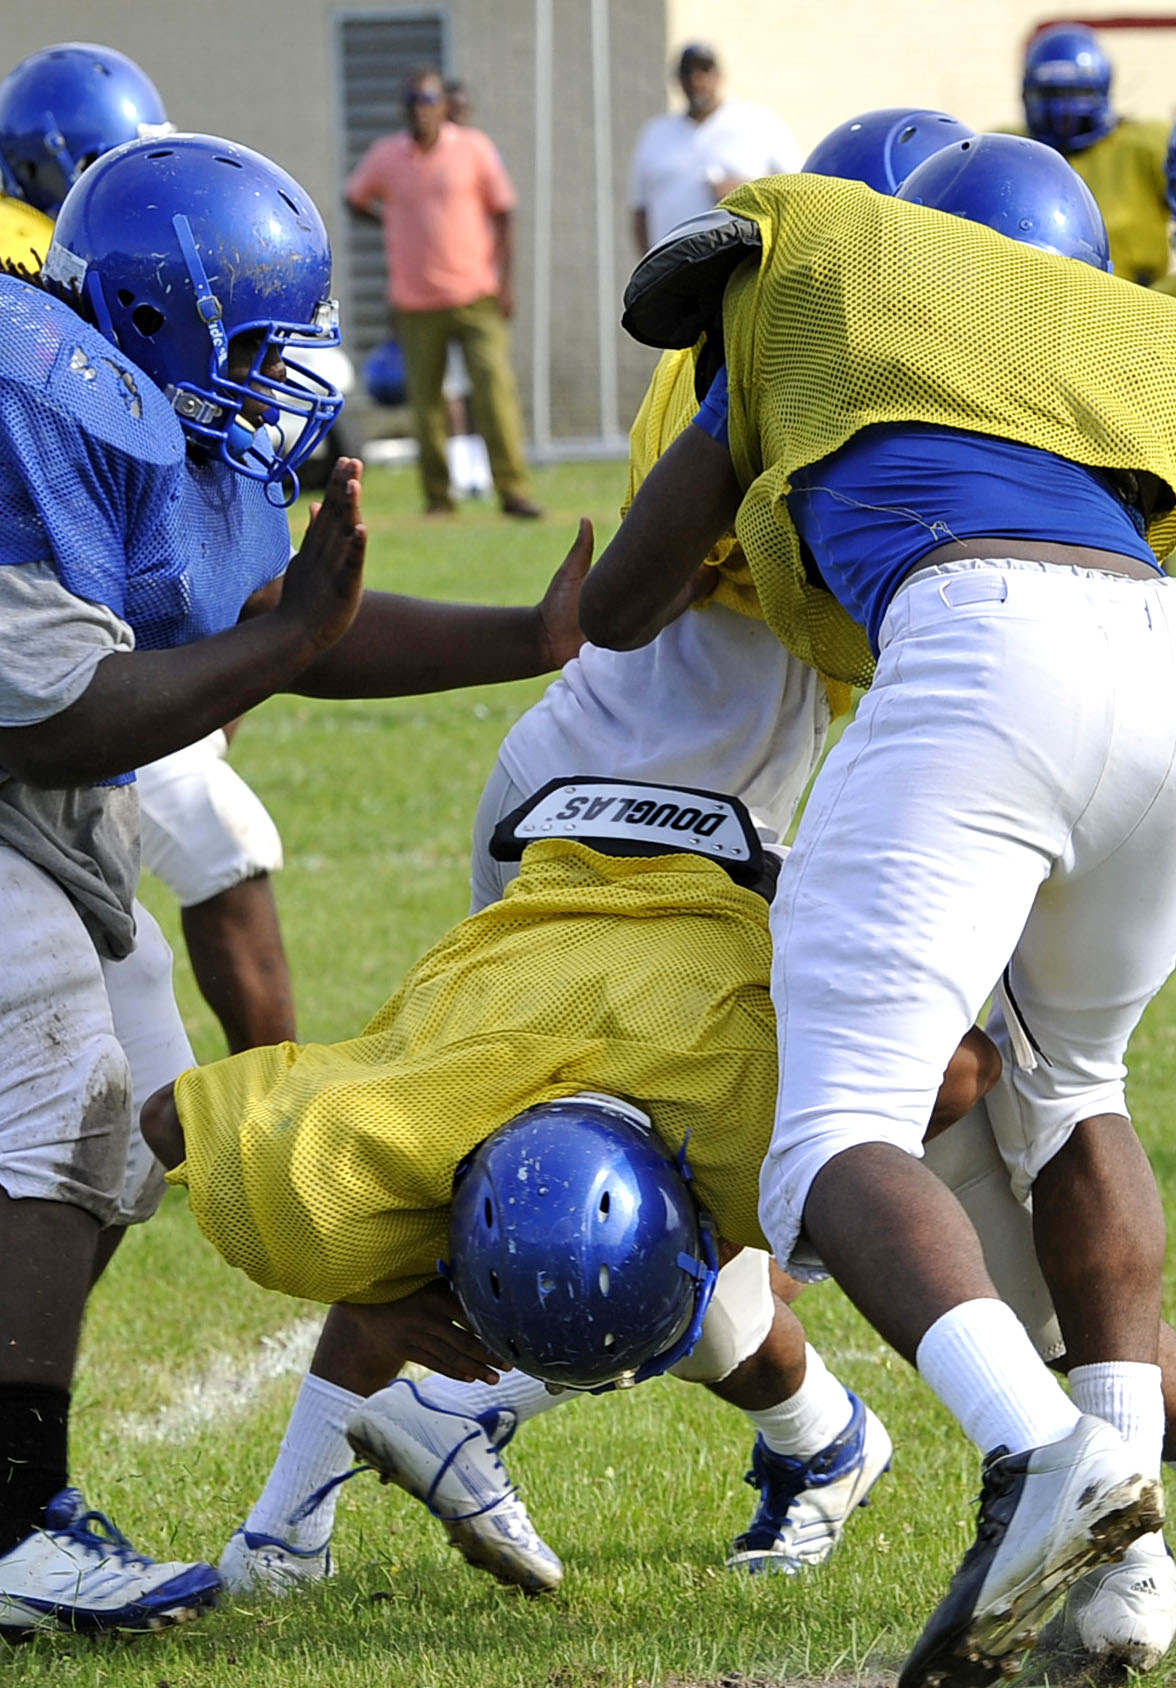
(443, 195)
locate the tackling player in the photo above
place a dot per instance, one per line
(991, 816)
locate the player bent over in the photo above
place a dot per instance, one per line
(309, 1168)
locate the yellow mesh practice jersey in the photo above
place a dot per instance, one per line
(25, 234)
(669, 406)
(1127, 174)
(326, 1171)
(866, 309)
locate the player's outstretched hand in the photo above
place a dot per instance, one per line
(559, 610)
(422, 1327)
(324, 582)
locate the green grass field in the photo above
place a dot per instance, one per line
(189, 1371)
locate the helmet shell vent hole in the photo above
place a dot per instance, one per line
(495, 1286)
(604, 1279)
(605, 1204)
(610, 1340)
(488, 1213)
(147, 320)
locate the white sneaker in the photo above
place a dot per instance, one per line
(1122, 1615)
(254, 1563)
(804, 1503)
(1046, 1515)
(450, 1462)
(81, 1574)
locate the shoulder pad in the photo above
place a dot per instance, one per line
(620, 817)
(676, 292)
(46, 348)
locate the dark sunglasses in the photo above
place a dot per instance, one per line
(419, 98)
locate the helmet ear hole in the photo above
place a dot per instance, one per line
(147, 320)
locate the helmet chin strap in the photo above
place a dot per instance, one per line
(207, 303)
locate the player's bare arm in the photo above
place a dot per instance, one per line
(402, 646)
(646, 574)
(365, 1344)
(142, 705)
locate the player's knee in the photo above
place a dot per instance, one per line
(161, 1128)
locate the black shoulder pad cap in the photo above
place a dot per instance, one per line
(676, 292)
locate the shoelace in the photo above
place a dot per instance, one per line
(94, 1532)
(997, 1480)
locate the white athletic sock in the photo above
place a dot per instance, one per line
(1128, 1394)
(810, 1419)
(980, 1362)
(313, 1451)
(514, 1392)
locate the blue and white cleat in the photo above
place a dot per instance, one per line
(81, 1575)
(254, 1563)
(804, 1503)
(451, 1463)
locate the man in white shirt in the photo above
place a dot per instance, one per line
(685, 161)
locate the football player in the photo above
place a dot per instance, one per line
(645, 949)
(206, 833)
(1066, 92)
(154, 415)
(991, 815)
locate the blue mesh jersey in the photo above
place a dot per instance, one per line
(94, 478)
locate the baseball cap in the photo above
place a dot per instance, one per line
(696, 55)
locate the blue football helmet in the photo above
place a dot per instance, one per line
(65, 106)
(177, 247)
(1067, 88)
(383, 373)
(1018, 187)
(881, 148)
(576, 1248)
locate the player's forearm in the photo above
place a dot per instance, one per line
(400, 646)
(141, 705)
(643, 578)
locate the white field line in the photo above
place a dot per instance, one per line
(226, 1387)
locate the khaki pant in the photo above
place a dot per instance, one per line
(482, 333)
